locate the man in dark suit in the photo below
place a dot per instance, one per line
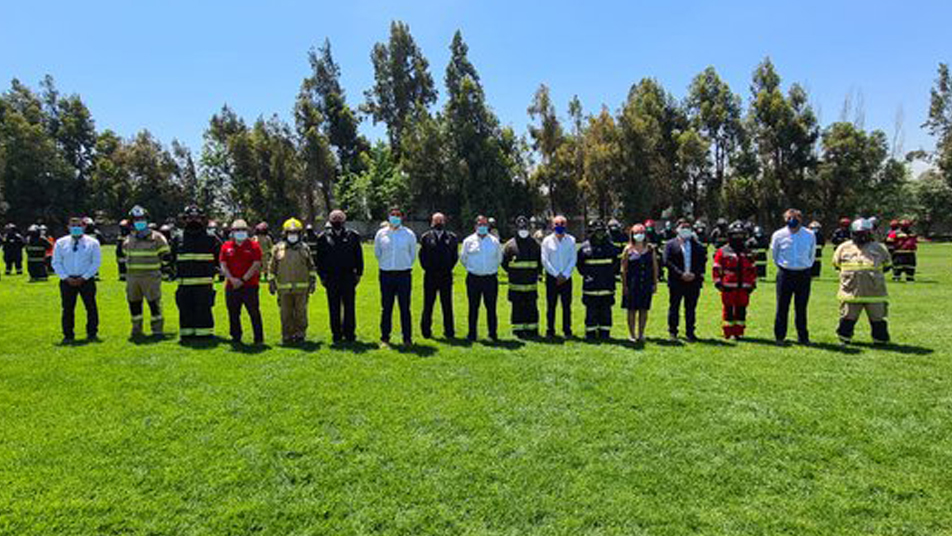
(439, 251)
(685, 259)
(340, 264)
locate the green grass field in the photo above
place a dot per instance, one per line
(559, 437)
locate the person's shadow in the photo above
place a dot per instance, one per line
(357, 347)
(200, 343)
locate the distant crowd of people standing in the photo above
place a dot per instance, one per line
(639, 258)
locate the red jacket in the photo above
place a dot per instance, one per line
(734, 269)
(906, 242)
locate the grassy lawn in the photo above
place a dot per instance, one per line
(538, 438)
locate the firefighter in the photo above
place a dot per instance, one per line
(820, 242)
(310, 240)
(124, 230)
(538, 229)
(757, 245)
(48, 256)
(13, 243)
(36, 247)
(862, 263)
(168, 264)
(617, 236)
(340, 267)
(264, 240)
(842, 232)
(522, 261)
(735, 276)
(293, 279)
(196, 259)
(719, 234)
(597, 264)
(145, 250)
(904, 256)
(891, 237)
(700, 232)
(654, 239)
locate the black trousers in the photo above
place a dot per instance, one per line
(68, 295)
(246, 297)
(14, 260)
(904, 263)
(341, 304)
(195, 304)
(525, 313)
(555, 293)
(598, 316)
(689, 293)
(795, 285)
(438, 283)
(485, 289)
(395, 285)
(36, 268)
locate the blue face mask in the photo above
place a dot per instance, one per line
(395, 221)
(140, 225)
(482, 230)
(793, 223)
(241, 236)
(559, 229)
(76, 231)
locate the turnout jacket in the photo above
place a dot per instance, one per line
(38, 248)
(339, 255)
(522, 261)
(862, 272)
(840, 235)
(734, 269)
(196, 258)
(904, 242)
(597, 263)
(145, 254)
(292, 268)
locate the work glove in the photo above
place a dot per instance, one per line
(272, 286)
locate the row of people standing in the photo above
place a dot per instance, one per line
(337, 261)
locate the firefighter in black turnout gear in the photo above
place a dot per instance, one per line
(196, 260)
(124, 229)
(758, 244)
(597, 264)
(340, 264)
(36, 247)
(522, 261)
(13, 243)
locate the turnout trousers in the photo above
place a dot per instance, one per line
(734, 312)
(877, 313)
(524, 317)
(195, 303)
(598, 317)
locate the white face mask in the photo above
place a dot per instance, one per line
(685, 232)
(639, 237)
(523, 233)
(293, 238)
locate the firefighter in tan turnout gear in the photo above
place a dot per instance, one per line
(862, 263)
(145, 251)
(293, 278)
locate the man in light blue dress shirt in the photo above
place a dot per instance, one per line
(793, 249)
(76, 260)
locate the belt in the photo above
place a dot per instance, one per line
(395, 272)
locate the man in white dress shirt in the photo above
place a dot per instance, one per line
(76, 260)
(395, 248)
(793, 249)
(558, 259)
(481, 257)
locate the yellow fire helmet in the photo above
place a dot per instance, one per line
(292, 224)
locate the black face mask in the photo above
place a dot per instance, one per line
(861, 238)
(337, 225)
(736, 242)
(438, 226)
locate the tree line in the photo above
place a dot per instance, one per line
(714, 153)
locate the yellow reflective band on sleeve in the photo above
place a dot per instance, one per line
(598, 292)
(599, 261)
(858, 267)
(524, 264)
(140, 253)
(905, 251)
(196, 257)
(189, 281)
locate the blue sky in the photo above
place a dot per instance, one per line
(168, 66)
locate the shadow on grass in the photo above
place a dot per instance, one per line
(896, 348)
(145, 340)
(830, 347)
(79, 342)
(710, 341)
(508, 344)
(200, 343)
(415, 349)
(357, 347)
(250, 349)
(304, 346)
